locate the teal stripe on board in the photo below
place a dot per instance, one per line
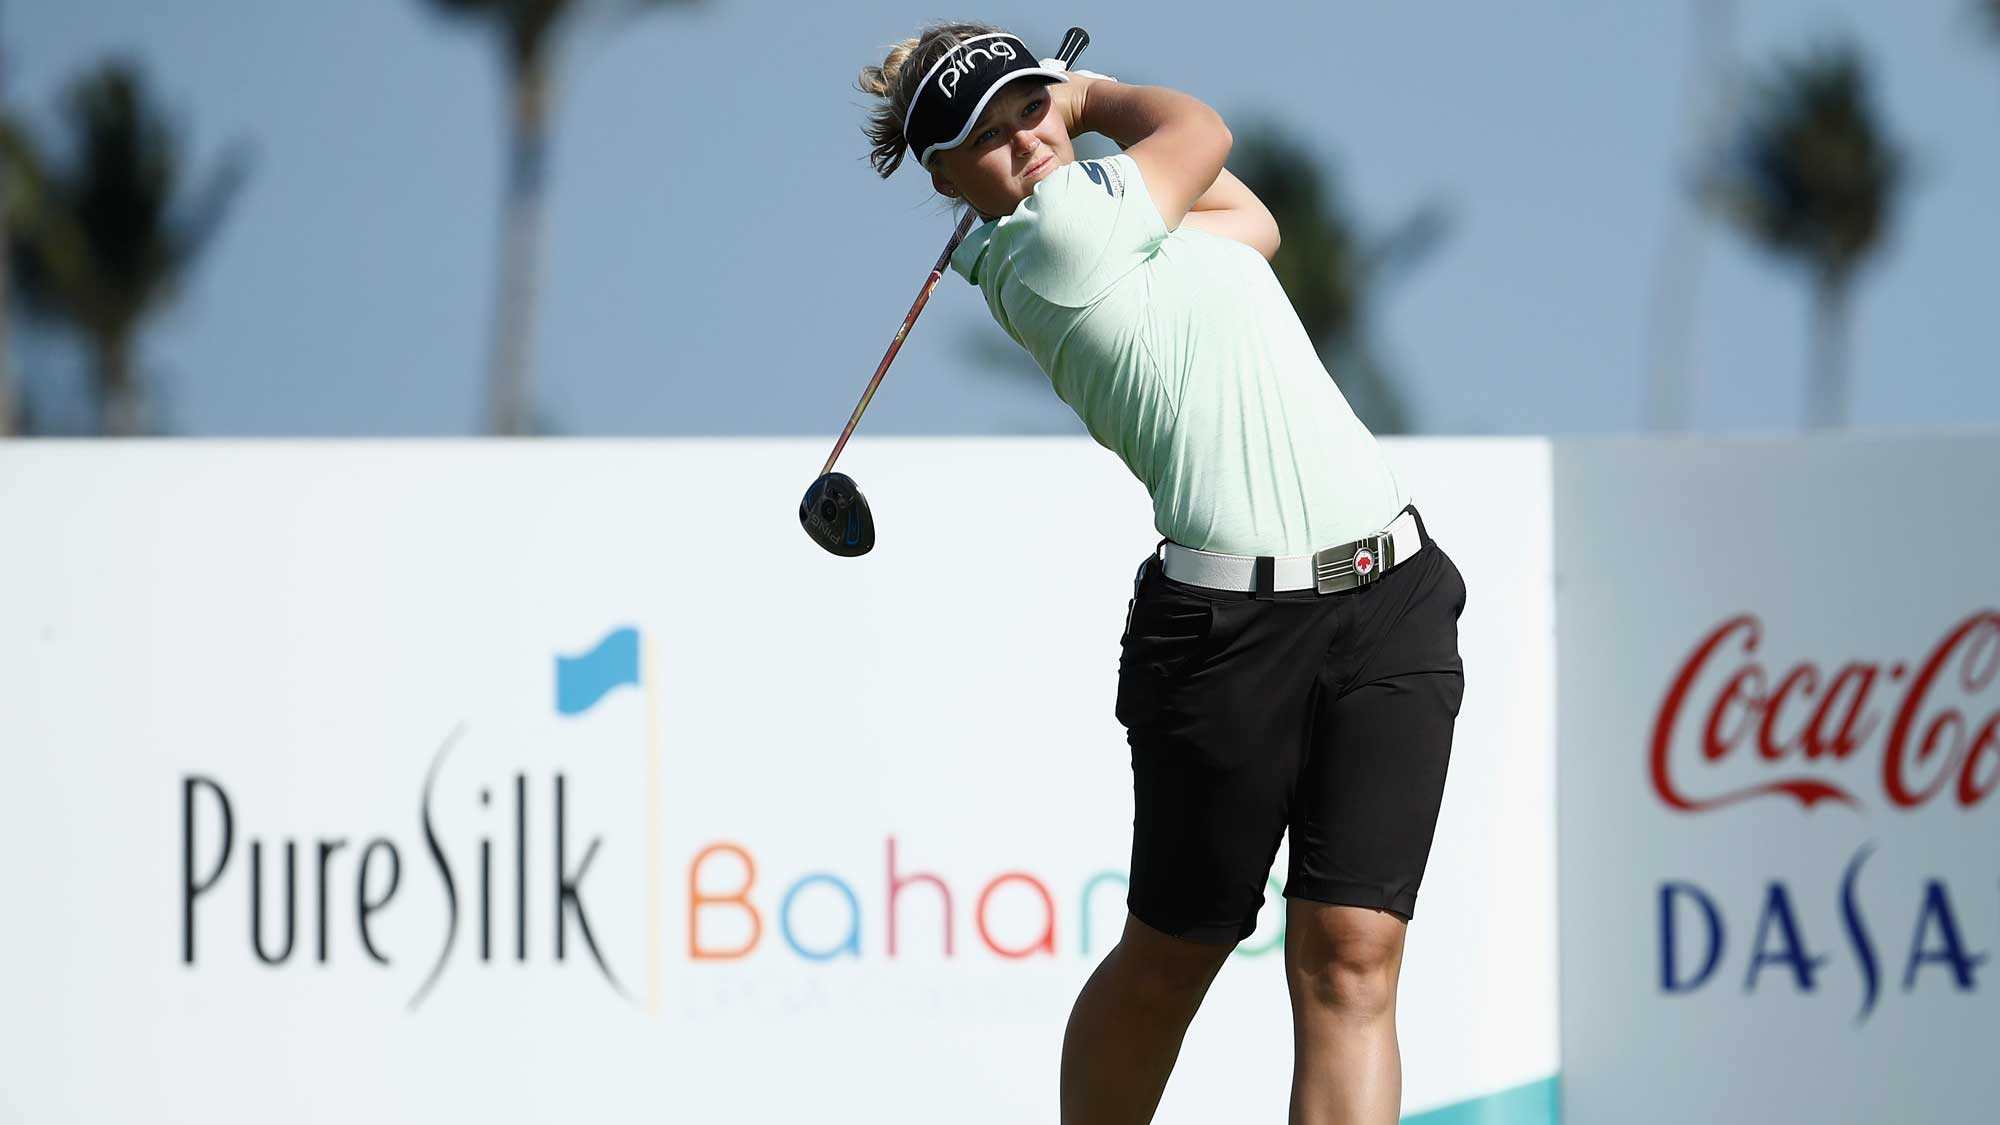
(1532, 1104)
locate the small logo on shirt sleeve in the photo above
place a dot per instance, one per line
(1105, 176)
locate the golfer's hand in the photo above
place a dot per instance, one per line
(1068, 97)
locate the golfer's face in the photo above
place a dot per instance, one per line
(1018, 142)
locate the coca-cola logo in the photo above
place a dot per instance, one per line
(1732, 729)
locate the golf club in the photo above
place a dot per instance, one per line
(834, 513)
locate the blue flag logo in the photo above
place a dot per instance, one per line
(583, 680)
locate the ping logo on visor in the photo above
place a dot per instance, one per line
(957, 87)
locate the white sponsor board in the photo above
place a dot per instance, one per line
(582, 786)
(1780, 748)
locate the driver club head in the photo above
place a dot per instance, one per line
(836, 515)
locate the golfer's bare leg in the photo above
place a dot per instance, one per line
(1342, 963)
(1126, 1028)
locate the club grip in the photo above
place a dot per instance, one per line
(1073, 42)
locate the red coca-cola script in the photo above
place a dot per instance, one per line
(1730, 729)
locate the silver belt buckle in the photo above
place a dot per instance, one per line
(1353, 564)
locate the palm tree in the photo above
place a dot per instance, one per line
(1814, 179)
(1330, 270)
(102, 244)
(1711, 102)
(11, 420)
(10, 412)
(527, 31)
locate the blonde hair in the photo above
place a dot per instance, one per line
(896, 81)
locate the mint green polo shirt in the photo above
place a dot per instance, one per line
(1181, 354)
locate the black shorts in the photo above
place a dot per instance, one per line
(1328, 714)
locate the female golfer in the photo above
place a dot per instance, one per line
(1290, 657)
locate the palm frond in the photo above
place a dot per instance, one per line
(102, 233)
(1811, 175)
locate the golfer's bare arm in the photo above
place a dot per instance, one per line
(1232, 210)
(1179, 144)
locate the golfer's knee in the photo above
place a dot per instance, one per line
(1169, 985)
(1167, 972)
(1353, 977)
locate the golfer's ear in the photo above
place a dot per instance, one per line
(943, 185)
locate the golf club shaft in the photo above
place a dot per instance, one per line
(1073, 43)
(930, 283)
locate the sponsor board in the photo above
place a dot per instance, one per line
(481, 781)
(1779, 670)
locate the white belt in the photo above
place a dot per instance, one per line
(1330, 571)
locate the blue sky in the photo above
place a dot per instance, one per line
(719, 258)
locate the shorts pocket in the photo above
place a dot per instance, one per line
(1166, 630)
(1166, 637)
